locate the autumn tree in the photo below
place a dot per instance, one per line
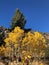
(18, 20)
(14, 42)
(35, 44)
(25, 44)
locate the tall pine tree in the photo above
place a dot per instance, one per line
(18, 20)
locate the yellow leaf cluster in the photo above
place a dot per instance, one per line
(15, 35)
(17, 29)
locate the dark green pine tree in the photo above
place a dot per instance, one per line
(18, 20)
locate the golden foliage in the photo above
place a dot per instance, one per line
(28, 44)
(36, 43)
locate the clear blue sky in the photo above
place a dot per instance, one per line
(35, 11)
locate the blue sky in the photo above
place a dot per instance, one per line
(35, 11)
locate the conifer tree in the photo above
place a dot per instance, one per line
(18, 20)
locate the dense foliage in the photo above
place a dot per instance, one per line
(25, 44)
